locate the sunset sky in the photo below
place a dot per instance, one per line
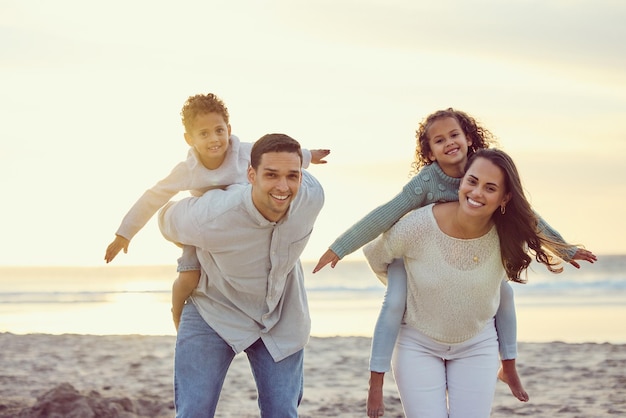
(90, 95)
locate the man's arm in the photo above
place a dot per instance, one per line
(177, 222)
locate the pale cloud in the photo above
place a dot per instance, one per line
(92, 94)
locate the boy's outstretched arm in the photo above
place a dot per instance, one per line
(318, 155)
(118, 244)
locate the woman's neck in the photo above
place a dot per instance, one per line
(469, 228)
(457, 224)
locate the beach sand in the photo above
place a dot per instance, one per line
(131, 376)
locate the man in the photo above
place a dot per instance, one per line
(251, 295)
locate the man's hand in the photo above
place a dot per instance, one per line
(328, 257)
(318, 155)
(118, 244)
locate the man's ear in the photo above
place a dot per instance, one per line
(251, 174)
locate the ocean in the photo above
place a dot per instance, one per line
(586, 305)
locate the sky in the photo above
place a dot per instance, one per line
(90, 98)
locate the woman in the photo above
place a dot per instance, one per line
(456, 255)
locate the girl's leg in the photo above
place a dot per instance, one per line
(385, 335)
(390, 318)
(506, 326)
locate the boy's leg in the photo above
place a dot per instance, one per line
(385, 335)
(280, 384)
(506, 327)
(183, 286)
(188, 277)
(201, 361)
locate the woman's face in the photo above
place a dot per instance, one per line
(483, 188)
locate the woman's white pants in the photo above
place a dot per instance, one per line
(437, 380)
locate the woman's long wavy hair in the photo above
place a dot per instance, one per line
(518, 226)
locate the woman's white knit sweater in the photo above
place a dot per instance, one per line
(453, 285)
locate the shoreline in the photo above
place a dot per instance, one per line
(133, 374)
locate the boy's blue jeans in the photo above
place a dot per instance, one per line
(202, 359)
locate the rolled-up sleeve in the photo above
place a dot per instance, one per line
(177, 222)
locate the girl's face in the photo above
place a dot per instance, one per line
(483, 188)
(209, 137)
(448, 143)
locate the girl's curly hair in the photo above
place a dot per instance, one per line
(480, 137)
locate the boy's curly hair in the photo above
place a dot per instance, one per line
(480, 137)
(201, 104)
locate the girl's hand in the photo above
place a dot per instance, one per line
(584, 255)
(328, 257)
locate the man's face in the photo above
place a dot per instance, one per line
(275, 183)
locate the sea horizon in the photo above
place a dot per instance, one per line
(586, 305)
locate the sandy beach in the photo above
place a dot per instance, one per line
(131, 376)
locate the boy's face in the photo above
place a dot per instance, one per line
(275, 183)
(209, 137)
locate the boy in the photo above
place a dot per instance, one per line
(216, 159)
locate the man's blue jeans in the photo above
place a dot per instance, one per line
(202, 359)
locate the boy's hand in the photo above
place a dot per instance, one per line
(318, 155)
(118, 244)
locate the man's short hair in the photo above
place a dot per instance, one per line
(273, 143)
